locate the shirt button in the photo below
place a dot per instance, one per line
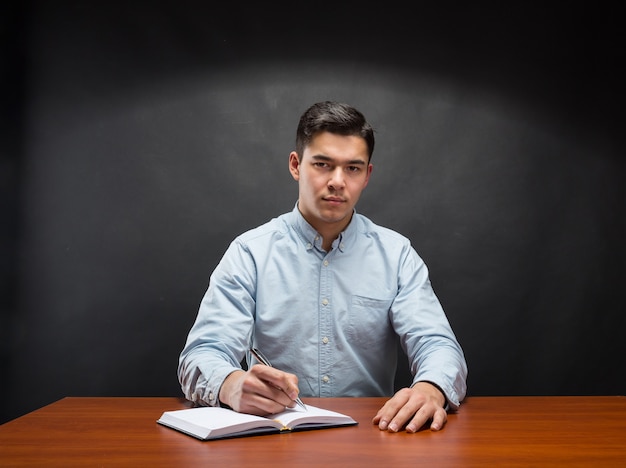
(210, 396)
(309, 245)
(325, 340)
(325, 262)
(341, 246)
(325, 302)
(325, 379)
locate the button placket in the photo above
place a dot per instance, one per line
(326, 327)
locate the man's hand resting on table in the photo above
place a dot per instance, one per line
(413, 407)
(261, 390)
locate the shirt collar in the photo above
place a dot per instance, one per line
(312, 238)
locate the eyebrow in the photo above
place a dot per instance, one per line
(321, 157)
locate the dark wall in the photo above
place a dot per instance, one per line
(139, 140)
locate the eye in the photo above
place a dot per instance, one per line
(354, 169)
(320, 164)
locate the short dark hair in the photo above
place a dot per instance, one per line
(333, 117)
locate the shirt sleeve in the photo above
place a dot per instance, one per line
(220, 336)
(432, 348)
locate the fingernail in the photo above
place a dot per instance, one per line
(393, 427)
(383, 425)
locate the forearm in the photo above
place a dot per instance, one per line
(201, 377)
(219, 338)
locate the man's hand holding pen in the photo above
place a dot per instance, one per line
(263, 360)
(260, 390)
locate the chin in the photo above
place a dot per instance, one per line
(336, 218)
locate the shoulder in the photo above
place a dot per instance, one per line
(370, 229)
(392, 246)
(268, 231)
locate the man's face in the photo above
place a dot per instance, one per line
(331, 174)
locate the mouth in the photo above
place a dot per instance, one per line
(334, 200)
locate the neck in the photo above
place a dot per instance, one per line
(327, 243)
(330, 232)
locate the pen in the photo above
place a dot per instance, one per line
(259, 355)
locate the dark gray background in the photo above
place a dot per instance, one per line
(140, 138)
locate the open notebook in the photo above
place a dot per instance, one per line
(216, 423)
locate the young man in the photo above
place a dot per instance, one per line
(324, 293)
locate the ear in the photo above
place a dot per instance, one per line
(294, 165)
(370, 168)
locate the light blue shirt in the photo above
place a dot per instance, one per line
(331, 318)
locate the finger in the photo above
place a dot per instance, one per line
(289, 385)
(383, 416)
(390, 409)
(417, 422)
(278, 395)
(389, 420)
(439, 420)
(256, 403)
(280, 386)
(406, 413)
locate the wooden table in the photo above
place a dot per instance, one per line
(487, 431)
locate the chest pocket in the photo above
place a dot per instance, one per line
(369, 319)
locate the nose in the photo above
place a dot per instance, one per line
(336, 180)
